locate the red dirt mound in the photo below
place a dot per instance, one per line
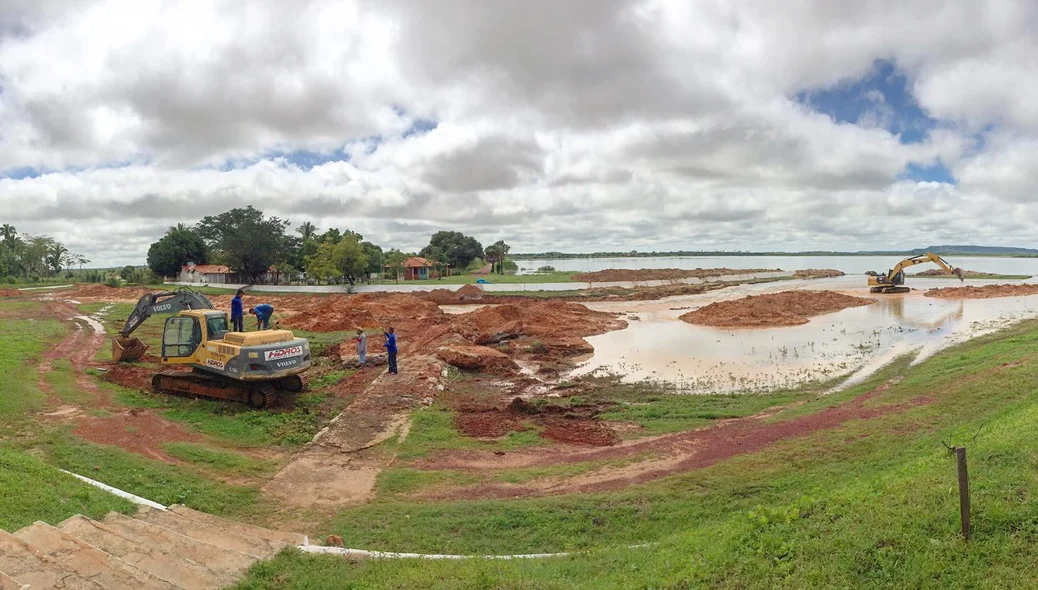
(477, 358)
(369, 310)
(550, 319)
(10, 293)
(660, 274)
(789, 308)
(817, 273)
(466, 294)
(985, 292)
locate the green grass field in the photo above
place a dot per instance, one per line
(871, 503)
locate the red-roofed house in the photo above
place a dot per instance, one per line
(218, 274)
(417, 268)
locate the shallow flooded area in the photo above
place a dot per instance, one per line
(853, 342)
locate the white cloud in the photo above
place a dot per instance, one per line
(562, 125)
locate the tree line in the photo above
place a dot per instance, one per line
(30, 258)
(252, 244)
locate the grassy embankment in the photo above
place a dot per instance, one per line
(869, 503)
(221, 472)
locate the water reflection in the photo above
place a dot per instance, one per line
(854, 342)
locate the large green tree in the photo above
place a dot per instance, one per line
(393, 261)
(349, 253)
(453, 247)
(321, 264)
(179, 246)
(246, 241)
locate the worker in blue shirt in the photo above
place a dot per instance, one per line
(237, 315)
(390, 337)
(262, 312)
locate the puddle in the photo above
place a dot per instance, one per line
(462, 308)
(854, 342)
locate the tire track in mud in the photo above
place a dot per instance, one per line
(136, 430)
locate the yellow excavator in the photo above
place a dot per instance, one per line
(894, 280)
(251, 367)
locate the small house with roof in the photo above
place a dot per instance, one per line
(219, 274)
(417, 268)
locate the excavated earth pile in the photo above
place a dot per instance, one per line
(817, 273)
(661, 274)
(789, 308)
(985, 292)
(546, 329)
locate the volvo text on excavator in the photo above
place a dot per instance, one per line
(894, 280)
(252, 367)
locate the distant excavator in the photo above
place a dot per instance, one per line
(893, 281)
(251, 367)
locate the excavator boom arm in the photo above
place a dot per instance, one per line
(164, 302)
(920, 259)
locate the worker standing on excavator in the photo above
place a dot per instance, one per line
(237, 313)
(262, 312)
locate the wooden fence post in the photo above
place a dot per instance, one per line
(964, 491)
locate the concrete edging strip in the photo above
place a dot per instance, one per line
(346, 552)
(117, 491)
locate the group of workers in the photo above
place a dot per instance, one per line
(264, 311)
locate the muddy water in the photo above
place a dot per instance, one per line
(852, 343)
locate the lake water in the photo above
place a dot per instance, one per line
(848, 264)
(854, 342)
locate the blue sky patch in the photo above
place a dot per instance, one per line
(881, 98)
(934, 173)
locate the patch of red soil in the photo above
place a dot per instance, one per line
(985, 292)
(789, 308)
(678, 453)
(466, 294)
(661, 274)
(817, 273)
(137, 431)
(10, 293)
(548, 319)
(547, 328)
(575, 426)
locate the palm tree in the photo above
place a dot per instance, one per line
(8, 233)
(307, 230)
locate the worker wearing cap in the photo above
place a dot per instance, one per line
(262, 312)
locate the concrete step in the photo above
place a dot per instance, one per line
(212, 534)
(9, 583)
(145, 555)
(89, 561)
(240, 527)
(30, 566)
(215, 558)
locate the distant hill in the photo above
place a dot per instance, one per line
(942, 250)
(979, 250)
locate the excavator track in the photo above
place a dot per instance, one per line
(199, 384)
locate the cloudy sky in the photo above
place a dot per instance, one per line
(580, 125)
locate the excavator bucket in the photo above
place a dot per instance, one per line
(958, 273)
(128, 349)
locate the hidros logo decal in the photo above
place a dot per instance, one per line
(283, 353)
